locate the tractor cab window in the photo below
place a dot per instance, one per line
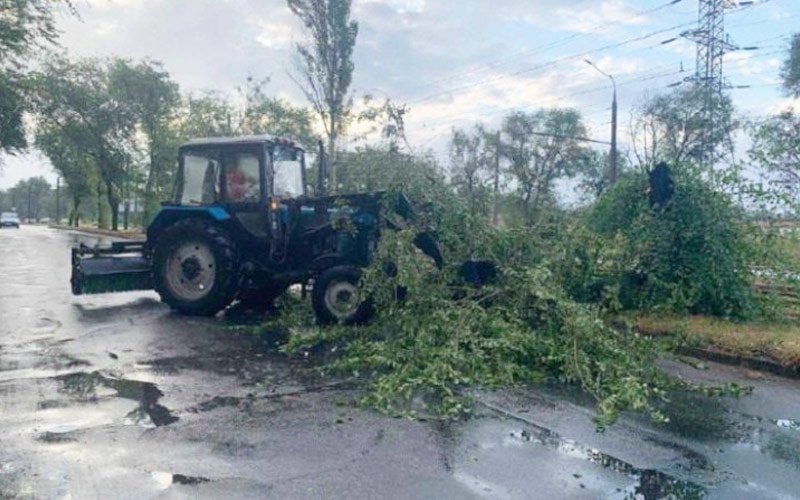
(288, 178)
(242, 178)
(199, 184)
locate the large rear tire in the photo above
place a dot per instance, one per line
(337, 299)
(195, 268)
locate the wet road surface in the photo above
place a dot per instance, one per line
(115, 397)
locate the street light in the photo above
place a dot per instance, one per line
(612, 171)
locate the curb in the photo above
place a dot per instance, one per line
(727, 358)
(753, 363)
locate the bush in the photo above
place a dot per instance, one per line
(696, 254)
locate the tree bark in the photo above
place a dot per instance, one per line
(113, 202)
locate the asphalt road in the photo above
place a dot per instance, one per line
(115, 397)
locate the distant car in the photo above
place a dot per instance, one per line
(9, 219)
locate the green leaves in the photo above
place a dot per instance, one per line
(439, 338)
(326, 63)
(790, 72)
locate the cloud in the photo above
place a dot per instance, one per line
(401, 6)
(583, 18)
(275, 35)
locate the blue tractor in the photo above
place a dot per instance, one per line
(242, 226)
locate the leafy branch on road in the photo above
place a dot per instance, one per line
(431, 344)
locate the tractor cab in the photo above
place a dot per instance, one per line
(242, 172)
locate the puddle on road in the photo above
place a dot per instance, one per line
(181, 479)
(698, 417)
(651, 484)
(788, 424)
(57, 437)
(167, 479)
(89, 387)
(784, 448)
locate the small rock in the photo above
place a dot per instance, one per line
(753, 375)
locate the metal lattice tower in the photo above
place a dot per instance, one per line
(712, 45)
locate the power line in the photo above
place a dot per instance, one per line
(549, 63)
(553, 44)
(622, 83)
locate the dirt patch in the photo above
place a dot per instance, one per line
(755, 344)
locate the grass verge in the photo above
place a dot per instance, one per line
(776, 341)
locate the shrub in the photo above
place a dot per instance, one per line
(696, 254)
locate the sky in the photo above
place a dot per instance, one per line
(454, 63)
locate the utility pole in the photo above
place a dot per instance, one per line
(613, 155)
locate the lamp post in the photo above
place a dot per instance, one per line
(612, 170)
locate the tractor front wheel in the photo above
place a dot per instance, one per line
(195, 268)
(337, 299)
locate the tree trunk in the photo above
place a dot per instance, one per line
(150, 194)
(102, 213)
(332, 160)
(113, 202)
(75, 215)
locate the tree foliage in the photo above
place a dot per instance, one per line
(264, 114)
(790, 72)
(541, 148)
(32, 198)
(388, 119)
(694, 254)
(676, 128)
(150, 97)
(77, 95)
(26, 28)
(12, 107)
(776, 149)
(65, 147)
(475, 165)
(379, 168)
(326, 64)
(208, 114)
(430, 346)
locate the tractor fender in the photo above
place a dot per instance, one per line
(330, 260)
(169, 215)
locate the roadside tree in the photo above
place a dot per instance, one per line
(675, 128)
(77, 94)
(790, 72)
(541, 148)
(326, 65)
(65, 146)
(263, 114)
(27, 28)
(151, 98)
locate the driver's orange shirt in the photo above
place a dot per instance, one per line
(239, 185)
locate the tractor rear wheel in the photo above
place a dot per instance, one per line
(337, 299)
(195, 268)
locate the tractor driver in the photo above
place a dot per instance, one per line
(242, 185)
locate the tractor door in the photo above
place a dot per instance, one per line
(287, 183)
(244, 188)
